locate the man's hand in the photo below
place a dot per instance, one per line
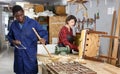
(43, 41)
(16, 42)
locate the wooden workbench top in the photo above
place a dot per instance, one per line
(99, 67)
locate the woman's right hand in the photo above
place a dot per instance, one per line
(16, 42)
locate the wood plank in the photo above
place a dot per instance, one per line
(115, 47)
(81, 47)
(111, 40)
(111, 71)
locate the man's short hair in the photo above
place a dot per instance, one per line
(16, 8)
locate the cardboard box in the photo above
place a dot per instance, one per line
(39, 8)
(60, 10)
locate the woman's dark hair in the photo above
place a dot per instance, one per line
(69, 18)
(16, 8)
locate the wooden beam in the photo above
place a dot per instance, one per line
(111, 40)
(103, 56)
(109, 36)
(93, 58)
(97, 32)
(116, 41)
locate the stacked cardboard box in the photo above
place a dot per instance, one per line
(38, 8)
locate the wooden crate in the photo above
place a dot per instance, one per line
(55, 24)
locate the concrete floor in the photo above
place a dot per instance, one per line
(6, 60)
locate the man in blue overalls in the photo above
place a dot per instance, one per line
(23, 38)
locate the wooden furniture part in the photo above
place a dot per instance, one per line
(92, 44)
(100, 68)
(69, 68)
(88, 43)
(116, 41)
(55, 24)
(82, 41)
(97, 32)
(109, 36)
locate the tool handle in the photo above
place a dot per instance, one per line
(40, 41)
(36, 34)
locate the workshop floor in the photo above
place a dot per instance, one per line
(6, 60)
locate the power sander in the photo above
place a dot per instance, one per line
(62, 50)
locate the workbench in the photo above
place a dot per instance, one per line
(99, 67)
